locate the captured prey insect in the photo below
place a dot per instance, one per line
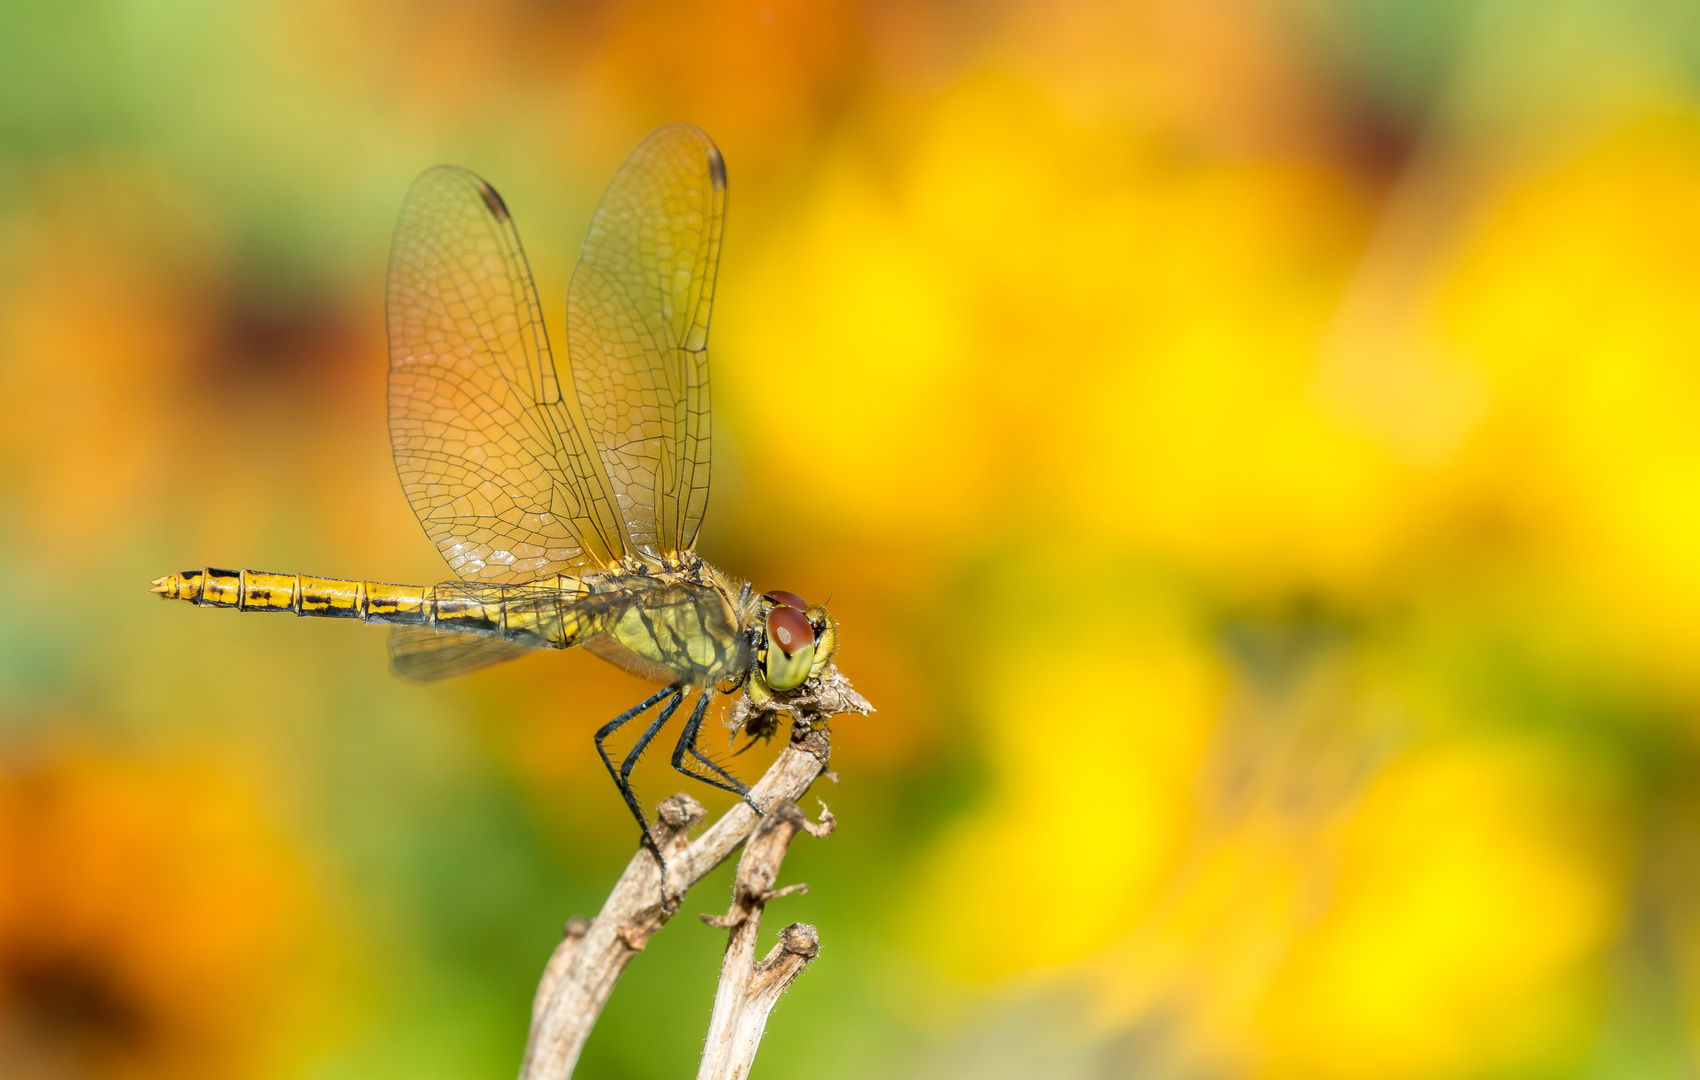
(568, 510)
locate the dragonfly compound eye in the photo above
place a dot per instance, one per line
(790, 648)
(787, 599)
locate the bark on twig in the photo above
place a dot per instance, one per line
(582, 972)
(748, 990)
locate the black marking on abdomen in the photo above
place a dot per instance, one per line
(466, 615)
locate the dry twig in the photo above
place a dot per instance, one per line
(586, 964)
(748, 990)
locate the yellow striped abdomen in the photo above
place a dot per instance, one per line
(463, 609)
(257, 590)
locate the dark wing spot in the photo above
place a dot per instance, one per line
(717, 168)
(493, 201)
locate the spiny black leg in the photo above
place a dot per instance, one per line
(625, 781)
(688, 745)
(619, 781)
(631, 761)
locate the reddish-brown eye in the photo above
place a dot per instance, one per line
(788, 629)
(789, 599)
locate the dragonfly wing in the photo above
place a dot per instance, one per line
(637, 332)
(422, 654)
(535, 615)
(480, 623)
(502, 476)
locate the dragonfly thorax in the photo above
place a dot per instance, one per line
(673, 625)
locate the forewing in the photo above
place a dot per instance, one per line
(493, 462)
(421, 654)
(637, 332)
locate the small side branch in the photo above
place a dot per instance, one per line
(748, 990)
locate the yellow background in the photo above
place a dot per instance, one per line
(1252, 448)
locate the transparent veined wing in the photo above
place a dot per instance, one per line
(505, 482)
(481, 623)
(637, 332)
(421, 654)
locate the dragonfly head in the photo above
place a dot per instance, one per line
(797, 641)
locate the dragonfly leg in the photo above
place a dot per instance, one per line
(621, 774)
(642, 744)
(688, 745)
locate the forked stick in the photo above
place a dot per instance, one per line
(582, 971)
(748, 990)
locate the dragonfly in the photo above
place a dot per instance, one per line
(567, 508)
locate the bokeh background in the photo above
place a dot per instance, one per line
(1252, 446)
